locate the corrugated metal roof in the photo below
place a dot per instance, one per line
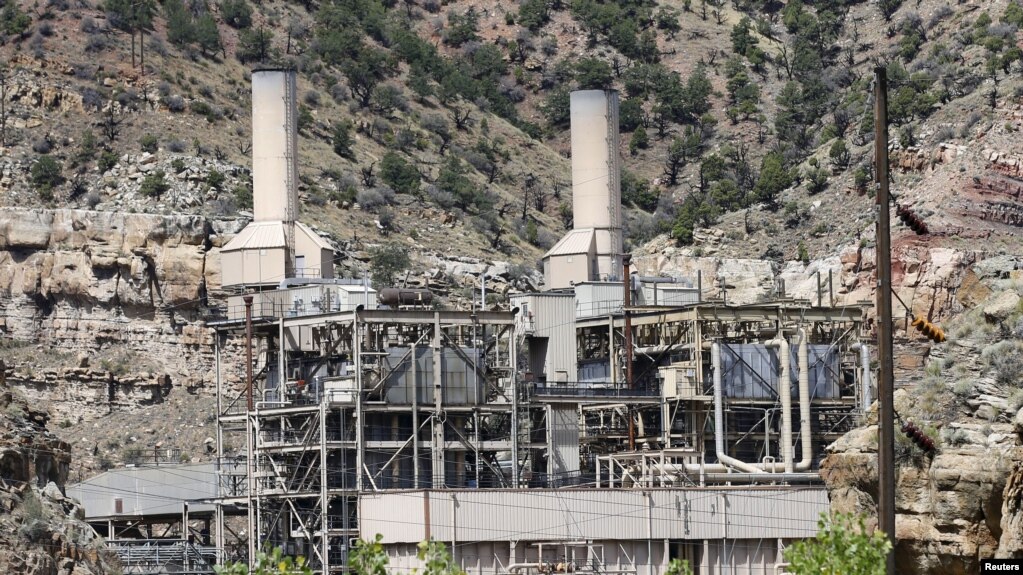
(257, 235)
(574, 242)
(263, 235)
(156, 490)
(315, 237)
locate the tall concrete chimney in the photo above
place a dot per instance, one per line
(274, 146)
(275, 245)
(592, 250)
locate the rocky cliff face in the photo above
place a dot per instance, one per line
(104, 313)
(963, 503)
(41, 531)
(81, 281)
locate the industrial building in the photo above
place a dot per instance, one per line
(606, 425)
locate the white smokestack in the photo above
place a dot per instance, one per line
(596, 194)
(274, 146)
(592, 250)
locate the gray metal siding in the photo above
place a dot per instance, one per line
(615, 514)
(752, 371)
(598, 299)
(565, 438)
(553, 317)
(460, 387)
(147, 490)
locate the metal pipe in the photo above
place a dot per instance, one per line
(627, 303)
(719, 416)
(248, 351)
(785, 392)
(805, 439)
(865, 376)
(288, 282)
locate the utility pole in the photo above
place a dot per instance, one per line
(886, 379)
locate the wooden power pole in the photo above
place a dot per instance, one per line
(886, 379)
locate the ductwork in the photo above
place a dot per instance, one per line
(804, 418)
(719, 415)
(286, 283)
(805, 438)
(865, 373)
(785, 392)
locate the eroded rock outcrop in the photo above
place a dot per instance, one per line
(41, 531)
(82, 281)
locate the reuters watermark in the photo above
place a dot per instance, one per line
(1001, 566)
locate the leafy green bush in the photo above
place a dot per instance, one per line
(215, 179)
(14, 22)
(638, 141)
(385, 264)
(341, 140)
(46, 174)
(154, 185)
(839, 154)
(236, 13)
(149, 143)
(842, 545)
(107, 160)
(399, 174)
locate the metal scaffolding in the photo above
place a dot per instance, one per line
(370, 401)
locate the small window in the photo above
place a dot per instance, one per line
(118, 505)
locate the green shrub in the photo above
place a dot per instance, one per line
(215, 179)
(341, 140)
(107, 161)
(154, 185)
(14, 22)
(399, 174)
(842, 545)
(639, 140)
(46, 174)
(86, 146)
(385, 264)
(149, 143)
(236, 13)
(243, 196)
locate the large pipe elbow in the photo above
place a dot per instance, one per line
(719, 415)
(785, 393)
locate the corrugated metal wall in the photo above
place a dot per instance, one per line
(751, 371)
(460, 386)
(613, 514)
(147, 490)
(551, 317)
(707, 557)
(564, 422)
(595, 299)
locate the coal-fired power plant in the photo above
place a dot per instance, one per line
(591, 251)
(275, 246)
